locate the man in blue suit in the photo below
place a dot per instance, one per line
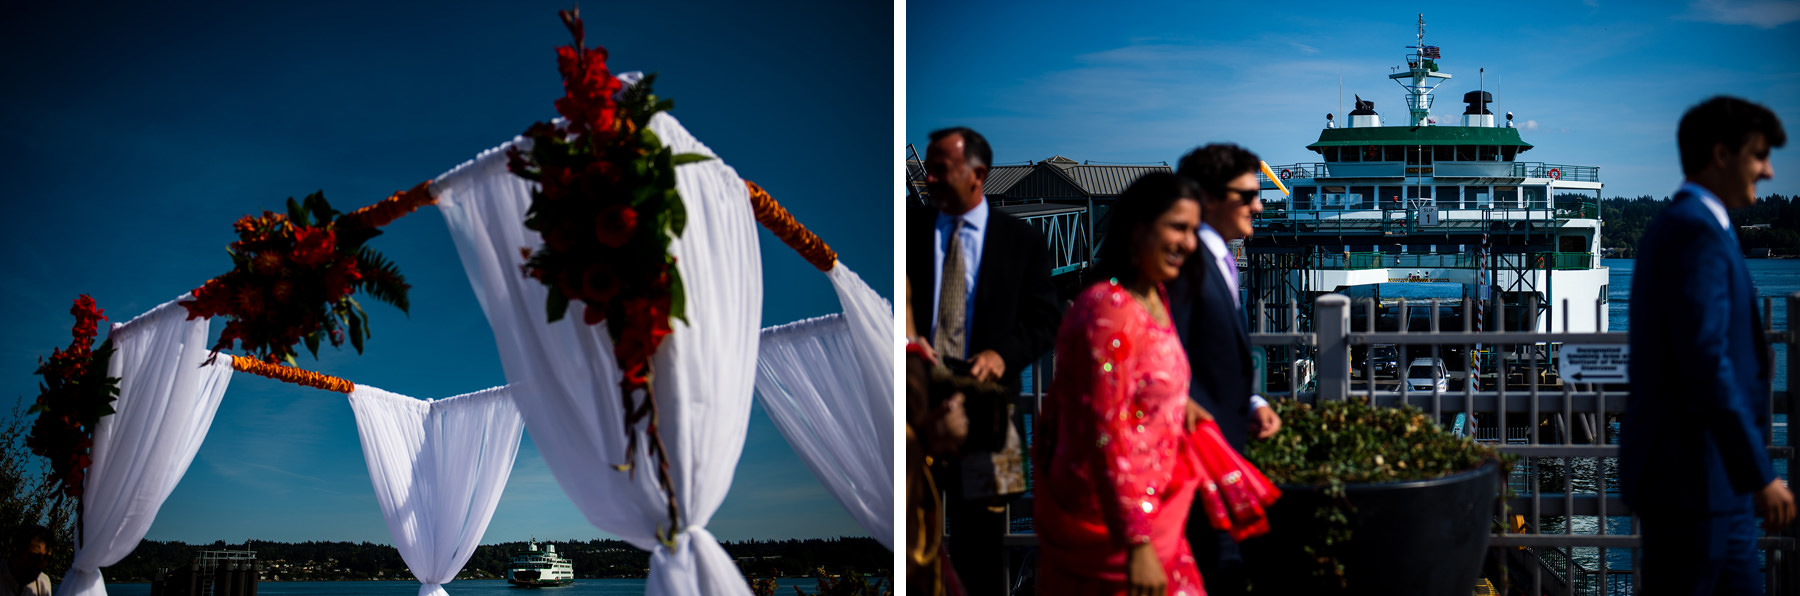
(1204, 307)
(1693, 463)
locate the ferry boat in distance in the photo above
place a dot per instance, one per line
(1424, 200)
(540, 569)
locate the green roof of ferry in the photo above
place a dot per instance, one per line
(1419, 135)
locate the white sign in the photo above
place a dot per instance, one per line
(1428, 215)
(1594, 363)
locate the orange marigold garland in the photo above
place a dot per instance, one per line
(293, 276)
(75, 395)
(607, 208)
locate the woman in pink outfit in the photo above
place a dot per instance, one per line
(1115, 475)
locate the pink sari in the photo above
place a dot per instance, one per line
(1115, 463)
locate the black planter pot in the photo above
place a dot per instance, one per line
(1423, 538)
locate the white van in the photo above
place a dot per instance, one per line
(1427, 374)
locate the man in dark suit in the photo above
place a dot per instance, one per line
(1204, 306)
(983, 279)
(1692, 461)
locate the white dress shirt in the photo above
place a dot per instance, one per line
(1227, 265)
(973, 229)
(1711, 202)
(9, 586)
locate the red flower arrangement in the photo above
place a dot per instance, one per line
(75, 394)
(607, 208)
(294, 275)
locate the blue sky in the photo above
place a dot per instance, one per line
(1596, 82)
(135, 134)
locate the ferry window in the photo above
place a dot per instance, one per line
(1329, 154)
(1449, 197)
(1506, 196)
(1508, 151)
(1390, 197)
(1485, 152)
(1465, 153)
(1371, 153)
(1444, 153)
(1571, 244)
(1477, 197)
(1303, 196)
(1414, 155)
(1367, 194)
(1418, 192)
(1395, 152)
(1534, 197)
(1603, 297)
(1350, 154)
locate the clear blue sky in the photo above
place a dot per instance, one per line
(1596, 82)
(134, 134)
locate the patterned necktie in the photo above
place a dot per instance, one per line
(952, 294)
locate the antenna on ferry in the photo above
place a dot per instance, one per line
(1424, 76)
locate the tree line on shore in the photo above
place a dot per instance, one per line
(26, 498)
(1626, 219)
(332, 561)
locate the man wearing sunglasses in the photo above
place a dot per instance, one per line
(1204, 305)
(23, 573)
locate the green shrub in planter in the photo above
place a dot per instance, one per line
(1365, 486)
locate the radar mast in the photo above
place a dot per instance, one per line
(1422, 71)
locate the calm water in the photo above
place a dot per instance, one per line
(581, 587)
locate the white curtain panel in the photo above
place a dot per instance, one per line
(166, 403)
(569, 385)
(828, 385)
(438, 468)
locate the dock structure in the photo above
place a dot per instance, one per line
(1064, 199)
(213, 573)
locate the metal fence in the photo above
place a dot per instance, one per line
(1563, 514)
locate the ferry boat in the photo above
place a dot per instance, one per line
(538, 569)
(1445, 200)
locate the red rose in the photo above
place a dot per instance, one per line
(562, 237)
(313, 246)
(340, 279)
(615, 225)
(599, 283)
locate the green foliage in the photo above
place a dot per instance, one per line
(1336, 443)
(382, 280)
(1339, 442)
(1626, 220)
(28, 496)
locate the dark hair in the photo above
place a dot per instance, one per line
(1727, 120)
(1214, 166)
(975, 146)
(29, 533)
(1148, 197)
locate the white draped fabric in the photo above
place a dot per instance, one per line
(828, 385)
(704, 370)
(166, 403)
(438, 468)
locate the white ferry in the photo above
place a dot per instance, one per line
(537, 569)
(1423, 200)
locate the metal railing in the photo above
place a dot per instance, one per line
(1068, 235)
(1538, 169)
(1520, 169)
(1581, 537)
